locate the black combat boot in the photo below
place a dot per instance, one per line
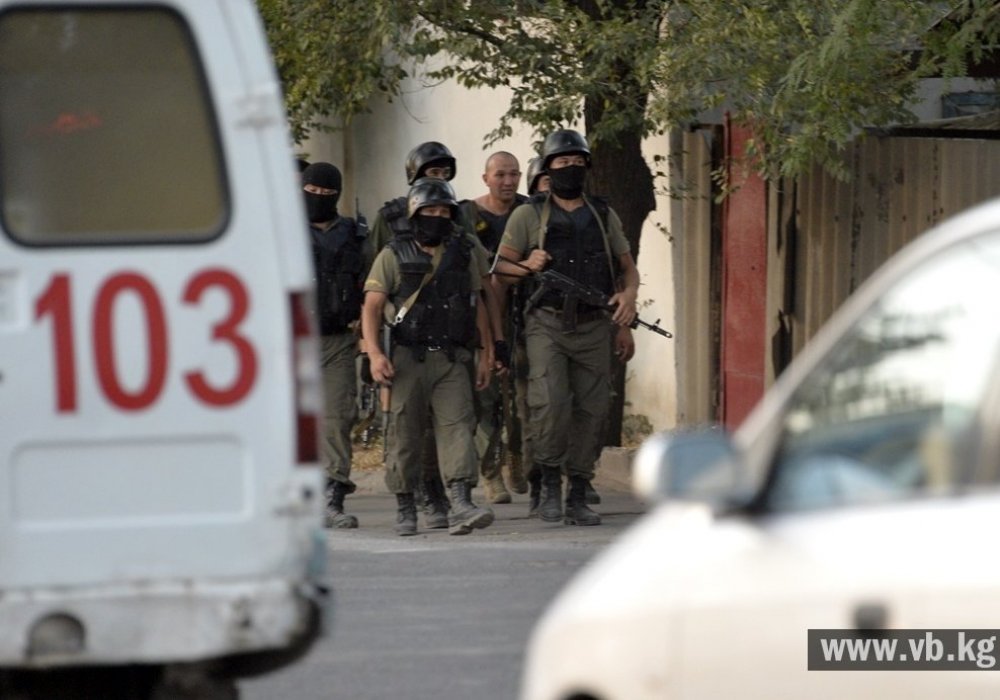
(550, 508)
(593, 498)
(577, 512)
(336, 518)
(436, 505)
(430, 492)
(466, 516)
(406, 514)
(534, 491)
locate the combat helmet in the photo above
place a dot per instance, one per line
(425, 154)
(535, 171)
(428, 191)
(562, 142)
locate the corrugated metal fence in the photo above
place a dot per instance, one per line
(825, 237)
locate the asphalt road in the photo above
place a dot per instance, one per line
(439, 617)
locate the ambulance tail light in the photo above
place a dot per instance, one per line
(308, 382)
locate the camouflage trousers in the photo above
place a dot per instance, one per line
(340, 393)
(434, 391)
(569, 389)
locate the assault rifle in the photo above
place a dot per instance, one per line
(385, 393)
(574, 292)
(367, 428)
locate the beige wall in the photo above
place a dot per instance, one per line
(372, 152)
(651, 381)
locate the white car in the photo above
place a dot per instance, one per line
(860, 497)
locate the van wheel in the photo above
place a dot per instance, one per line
(82, 683)
(181, 683)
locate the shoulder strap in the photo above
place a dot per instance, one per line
(602, 222)
(543, 220)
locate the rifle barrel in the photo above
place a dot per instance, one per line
(655, 327)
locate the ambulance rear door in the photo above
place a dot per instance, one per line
(152, 250)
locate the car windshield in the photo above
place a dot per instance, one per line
(892, 412)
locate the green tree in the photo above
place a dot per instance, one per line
(805, 74)
(809, 74)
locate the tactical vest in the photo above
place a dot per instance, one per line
(581, 255)
(394, 214)
(444, 313)
(339, 265)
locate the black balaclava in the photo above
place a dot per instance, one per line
(567, 182)
(430, 230)
(322, 207)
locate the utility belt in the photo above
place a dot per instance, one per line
(580, 315)
(420, 350)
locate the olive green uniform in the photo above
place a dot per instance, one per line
(568, 373)
(338, 362)
(436, 388)
(338, 353)
(381, 233)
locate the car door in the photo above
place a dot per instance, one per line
(880, 504)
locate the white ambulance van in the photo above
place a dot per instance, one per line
(160, 490)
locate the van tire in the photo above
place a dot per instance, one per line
(259, 663)
(193, 683)
(78, 683)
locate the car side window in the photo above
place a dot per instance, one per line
(107, 130)
(891, 412)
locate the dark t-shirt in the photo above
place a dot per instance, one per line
(496, 223)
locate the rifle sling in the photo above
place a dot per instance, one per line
(428, 276)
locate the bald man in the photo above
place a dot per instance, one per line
(488, 216)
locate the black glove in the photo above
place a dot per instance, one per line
(501, 352)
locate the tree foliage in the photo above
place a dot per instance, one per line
(808, 74)
(805, 74)
(334, 57)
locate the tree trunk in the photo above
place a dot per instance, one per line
(620, 174)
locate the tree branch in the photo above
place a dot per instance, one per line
(458, 28)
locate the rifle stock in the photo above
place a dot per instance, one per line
(360, 218)
(366, 428)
